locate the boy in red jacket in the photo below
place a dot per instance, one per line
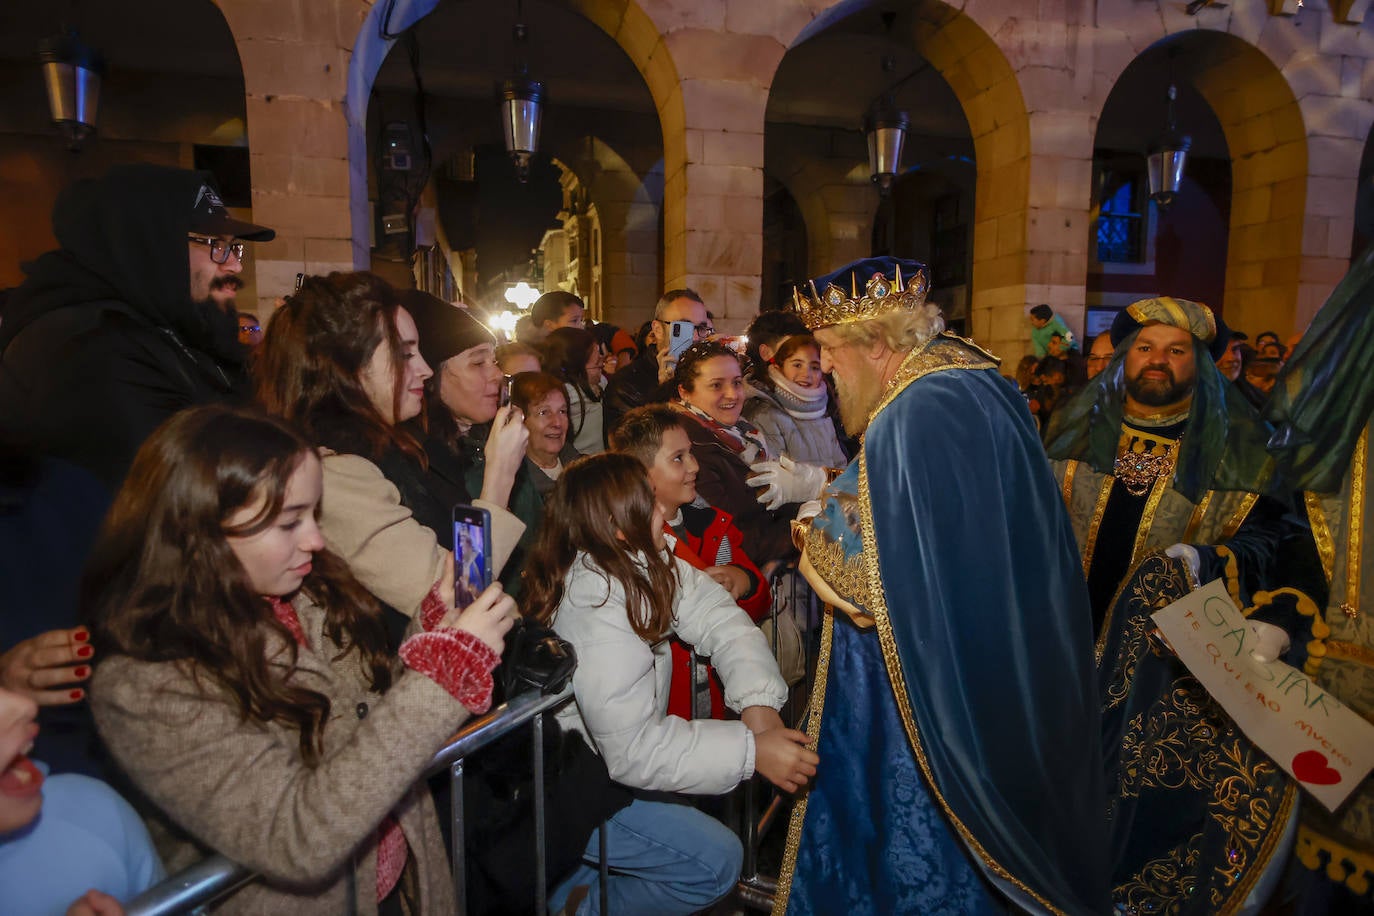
(703, 535)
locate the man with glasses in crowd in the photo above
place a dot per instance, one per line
(649, 378)
(131, 319)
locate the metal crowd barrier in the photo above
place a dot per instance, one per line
(214, 877)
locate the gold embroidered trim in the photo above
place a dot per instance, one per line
(1350, 652)
(1355, 527)
(1140, 471)
(892, 662)
(844, 575)
(1195, 520)
(1353, 867)
(1066, 488)
(1246, 504)
(940, 353)
(1321, 533)
(1090, 542)
(1147, 517)
(813, 731)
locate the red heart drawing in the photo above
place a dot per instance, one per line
(1310, 766)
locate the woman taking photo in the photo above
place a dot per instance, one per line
(471, 442)
(341, 363)
(575, 356)
(245, 682)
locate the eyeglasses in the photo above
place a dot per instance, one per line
(219, 248)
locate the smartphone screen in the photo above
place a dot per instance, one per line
(471, 553)
(681, 336)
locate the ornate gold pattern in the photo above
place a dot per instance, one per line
(1187, 742)
(1321, 533)
(880, 296)
(1174, 579)
(813, 731)
(1194, 317)
(1355, 526)
(1349, 652)
(1090, 542)
(845, 575)
(1138, 471)
(892, 662)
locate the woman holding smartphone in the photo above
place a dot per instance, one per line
(466, 430)
(247, 686)
(342, 363)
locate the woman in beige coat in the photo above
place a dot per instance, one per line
(247, 688)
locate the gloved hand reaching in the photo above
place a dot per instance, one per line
(786, 481)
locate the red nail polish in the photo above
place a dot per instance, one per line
(81, 635)
(82, 671)
(84, 652)
(77, 694)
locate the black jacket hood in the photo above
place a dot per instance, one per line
(122, 237)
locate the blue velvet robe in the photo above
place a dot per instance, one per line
(957, 718)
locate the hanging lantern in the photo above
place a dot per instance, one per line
(72, 72)
(886, 127)
(522, 112)
(1164, 162)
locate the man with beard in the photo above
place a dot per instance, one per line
(129, 321)
(954, 699)
(1160, 461)
(1160, 449)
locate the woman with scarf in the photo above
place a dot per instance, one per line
(711, 392)
(790, 404)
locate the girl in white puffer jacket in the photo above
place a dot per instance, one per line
(602, 575)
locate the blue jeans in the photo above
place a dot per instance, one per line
(665, 858)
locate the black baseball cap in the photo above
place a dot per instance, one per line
(210, 217)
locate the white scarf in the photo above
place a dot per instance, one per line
(800, 403)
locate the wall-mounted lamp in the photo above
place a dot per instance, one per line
(522, 105)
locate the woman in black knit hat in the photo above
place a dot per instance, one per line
(470, 441)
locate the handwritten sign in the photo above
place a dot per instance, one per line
(1322, 744)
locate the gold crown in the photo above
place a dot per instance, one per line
(880, 296)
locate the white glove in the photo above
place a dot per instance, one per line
(785, 481)
(1271, 641)
(808, 510)
(1189, 556)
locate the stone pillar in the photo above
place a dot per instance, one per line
(295, 63)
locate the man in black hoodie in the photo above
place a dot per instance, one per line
(129, 321)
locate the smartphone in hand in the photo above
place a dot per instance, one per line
(471, 553)
(681, 335)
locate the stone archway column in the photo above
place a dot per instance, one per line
(295, 59)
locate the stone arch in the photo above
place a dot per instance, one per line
(628, 204)
(625, 21)
(836, 200)
(1295, 139)
(962, 50)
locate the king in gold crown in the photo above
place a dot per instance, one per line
(886, 290)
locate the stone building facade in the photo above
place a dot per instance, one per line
(1291, 85)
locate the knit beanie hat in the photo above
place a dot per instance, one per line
(445, 330)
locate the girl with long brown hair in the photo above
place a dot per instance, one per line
(602, 575)
(246, 685)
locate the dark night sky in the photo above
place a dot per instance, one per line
(511, 216)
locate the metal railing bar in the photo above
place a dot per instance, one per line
(215, 876)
